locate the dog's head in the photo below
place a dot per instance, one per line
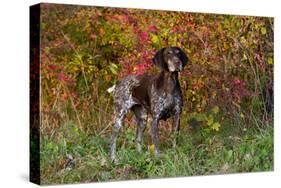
(171, 59)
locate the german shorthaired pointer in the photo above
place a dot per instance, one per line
(159, 95)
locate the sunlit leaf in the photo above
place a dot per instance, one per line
(210, 120)
(216, 126)
(151, 148)
(270, 60)
(216, 110)
(263, 30)
(113, 68)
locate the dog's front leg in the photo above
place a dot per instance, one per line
(154, 135)
(175, 128)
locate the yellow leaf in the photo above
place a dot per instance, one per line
(113, 68)
(155, 39)
(244, 57)
(203, 103)
(214, 94)
(225, 88)
(193, 99)
(215, 109)
(75, 68)
(243, 40)
(114, 65)
(151, 148)
(242, 116)
(165, 33)
(270, 60)
(225, 45)
(263, 30)
(210, 120)
(107, 77)
(178, 44)
(216, 126)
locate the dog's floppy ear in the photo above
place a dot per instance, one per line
(158, 59)
(183, 57)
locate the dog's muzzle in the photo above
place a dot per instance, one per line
(175, 65)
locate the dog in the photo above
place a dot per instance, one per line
(158, 95)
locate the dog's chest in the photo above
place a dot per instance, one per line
(166, 104)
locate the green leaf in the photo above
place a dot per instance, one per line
(200, 117)
(50, 145)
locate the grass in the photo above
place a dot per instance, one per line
(70, 155)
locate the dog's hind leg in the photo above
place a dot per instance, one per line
(141, 119)
(119, 117)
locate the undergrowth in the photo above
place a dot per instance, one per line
(74, 156)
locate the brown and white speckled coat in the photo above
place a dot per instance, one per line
(159, 95)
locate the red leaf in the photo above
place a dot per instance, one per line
(143, 37)
(152, 28)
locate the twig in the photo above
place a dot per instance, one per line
(106, 127)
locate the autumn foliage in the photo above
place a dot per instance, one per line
(85, 50)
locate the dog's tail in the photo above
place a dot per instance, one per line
(111, 89)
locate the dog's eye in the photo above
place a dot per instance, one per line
(169, 52)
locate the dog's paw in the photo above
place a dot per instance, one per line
(115, 161)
